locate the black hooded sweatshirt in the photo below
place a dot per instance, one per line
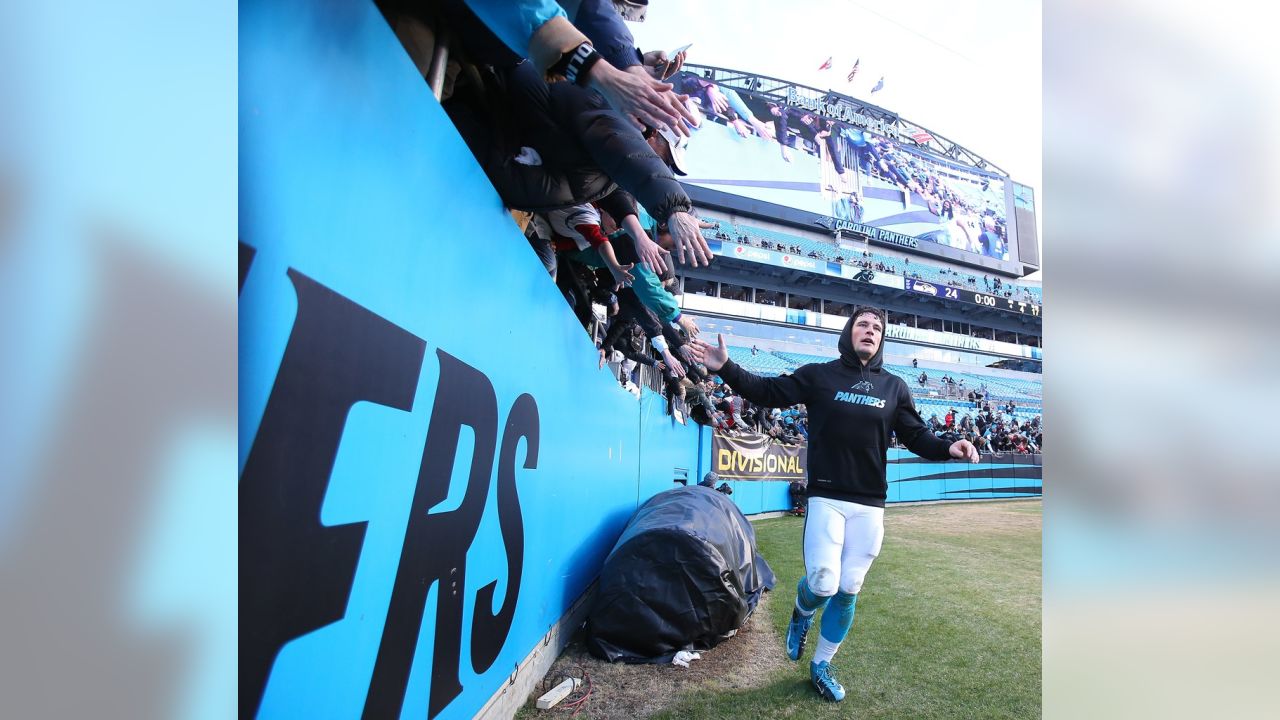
(852, 408)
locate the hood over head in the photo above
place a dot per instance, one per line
(848, 355)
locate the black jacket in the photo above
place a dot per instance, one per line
(599, 21)
(851, 408)
(623, 337)
(585, 147)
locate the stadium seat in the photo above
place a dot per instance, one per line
(828, 250)
(762, 363)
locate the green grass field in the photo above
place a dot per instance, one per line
(947, 624)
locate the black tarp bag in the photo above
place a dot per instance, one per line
(684, 575)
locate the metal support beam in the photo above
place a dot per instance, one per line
(439, 63)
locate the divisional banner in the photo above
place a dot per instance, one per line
(751, 457)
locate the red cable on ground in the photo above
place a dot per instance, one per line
(577, 699)
(580, 702)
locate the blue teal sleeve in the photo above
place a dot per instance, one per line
(648, 287)
(515, 21)
(735, 102)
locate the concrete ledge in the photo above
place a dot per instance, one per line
(534, 667)
(767, 515)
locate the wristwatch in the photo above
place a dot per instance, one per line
(576, 64)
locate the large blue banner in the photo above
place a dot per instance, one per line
(1007, 475)
(432, 468)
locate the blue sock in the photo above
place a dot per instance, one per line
(838, 617)
(807, 601)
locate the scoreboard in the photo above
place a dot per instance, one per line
(977, 298)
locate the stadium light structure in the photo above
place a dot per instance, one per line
(781, 91)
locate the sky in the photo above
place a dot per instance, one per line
(968, 71)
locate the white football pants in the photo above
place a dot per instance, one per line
(841, 539)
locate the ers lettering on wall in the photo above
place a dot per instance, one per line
(296, 574)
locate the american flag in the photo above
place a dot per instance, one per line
(854, 71)
(826, 65)
(921, 136)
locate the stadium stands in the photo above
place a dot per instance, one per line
(931, 399)
(1025, 393)
(770, 239)
(762, 363)
(799, 359)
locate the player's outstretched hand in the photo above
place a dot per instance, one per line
(713, 356)
(962, 449)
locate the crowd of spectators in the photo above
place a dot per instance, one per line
(787, 426)
(992, 431)
(976, 222)
(970, 213)
(766, 244)
(864, 262)
(576, 130)
(636, 340)
(707, 400)
(711, 402)
(564, 113)
(720, 104)
(952, 278)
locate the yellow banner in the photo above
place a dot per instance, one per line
(753, 457)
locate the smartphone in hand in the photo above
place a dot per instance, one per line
(669, 66)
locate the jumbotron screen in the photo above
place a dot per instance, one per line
(795, 157)
(1024, 215)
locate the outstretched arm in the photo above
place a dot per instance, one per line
(621, 273)
(649, 252)
(642, 99)
(769, 392)
(919, 440)
(689, 244)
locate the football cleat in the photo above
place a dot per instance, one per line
(797, 633)
(828, 687)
